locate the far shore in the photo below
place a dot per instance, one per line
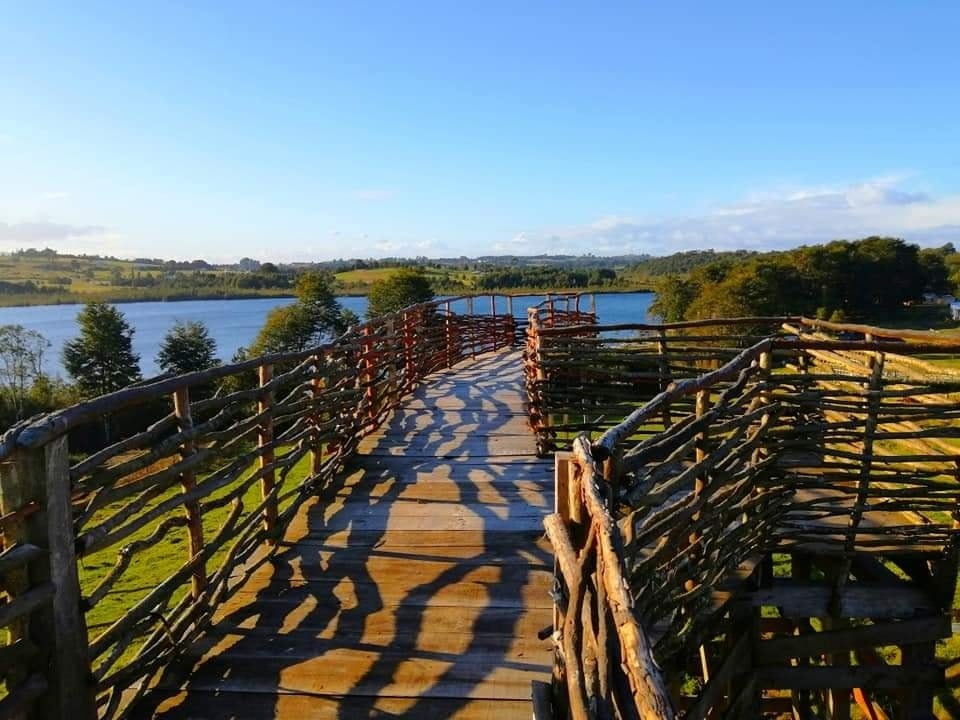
(41, 301)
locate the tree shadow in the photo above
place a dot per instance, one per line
(329, 622)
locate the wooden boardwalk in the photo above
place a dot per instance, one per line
(415, 588)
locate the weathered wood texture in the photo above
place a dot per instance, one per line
(199, 476)
(734, 447)
(414, 585)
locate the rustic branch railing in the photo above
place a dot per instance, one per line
(583, 377)
(199, 478)
(838, 454)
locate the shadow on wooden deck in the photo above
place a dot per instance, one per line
(414, 586)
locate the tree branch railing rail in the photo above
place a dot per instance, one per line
(841, 451)
(198, 482)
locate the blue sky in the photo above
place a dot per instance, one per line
(311, 131)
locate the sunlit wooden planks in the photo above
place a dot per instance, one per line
(414, 586)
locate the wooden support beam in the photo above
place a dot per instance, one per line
(857, 600)
(55, 623)
(713, 692)
(814, 644)
(188, 481)
(890, 677)
(265, 443)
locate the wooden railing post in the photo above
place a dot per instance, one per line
(57, 627)
(265, 444)
(473, 328)
(665, 378)
(409, 367)
(316, 391)
(700, 454)
(367, 374)
(448, 335)
(188, 481)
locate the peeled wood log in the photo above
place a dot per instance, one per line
(650, 692)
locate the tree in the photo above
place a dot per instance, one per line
(186, 348)
(307, 323)
(21, 363)
(673, 297)
(101, 359)
(405, 287)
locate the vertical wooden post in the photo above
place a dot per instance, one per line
(700, 453)
(367, 374)
(473, 328)
(448, 335)
(316, 391)
(59, 629)
(800, 570)
(188, 481)
(593, 304)
(265, 440)
(611, 474)
(409, 368)
(495, 330)
(665, 378)
(765, 364)
(565, 505)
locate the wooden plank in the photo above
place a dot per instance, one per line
(381, 672)
(488, 537)
(833, 641)
(446, 517)
(325, 622)
(209, 705)
(415, 585)
(298, 646)
(352, 594)
(867, 677)
(403, 572)
(858, 600)
(376, 462)
(447, 446)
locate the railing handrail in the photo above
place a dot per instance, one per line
(40, 429)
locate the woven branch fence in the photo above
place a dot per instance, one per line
(201, 476)
(741, 447)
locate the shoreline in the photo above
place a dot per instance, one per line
(275, 296)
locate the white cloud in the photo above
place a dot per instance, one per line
(766, 221)
(34, 232)
(55, 195)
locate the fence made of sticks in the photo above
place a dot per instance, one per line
(198, 479)
(839, 457)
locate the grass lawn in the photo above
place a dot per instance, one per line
(154, 564)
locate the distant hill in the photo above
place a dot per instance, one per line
(44, 277)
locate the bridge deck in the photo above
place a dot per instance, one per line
(415, 588)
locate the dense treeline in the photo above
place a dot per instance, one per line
(870, 278)
(684, 262)
(545, 278)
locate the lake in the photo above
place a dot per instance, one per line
(234, 323)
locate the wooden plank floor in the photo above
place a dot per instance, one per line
(415, 588)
